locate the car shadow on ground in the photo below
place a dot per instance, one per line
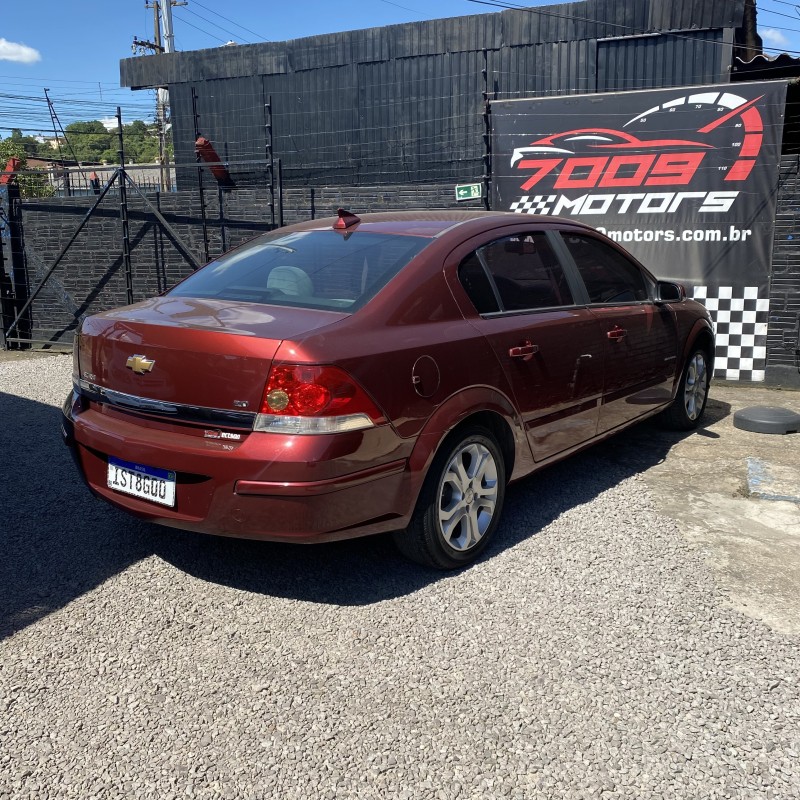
(363, 571)
(59, 542)
(56, 541)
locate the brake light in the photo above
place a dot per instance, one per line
(310, 399)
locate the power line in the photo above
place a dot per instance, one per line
(515, 7)
(782, 27)
(211, 21)
(405, 8)
(186, 22)
(227, 19)
(634, 31)
(53, 80)
(781, 14)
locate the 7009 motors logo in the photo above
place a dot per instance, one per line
(726, 136)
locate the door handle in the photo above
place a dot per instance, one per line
(617, 333)
(525, 351)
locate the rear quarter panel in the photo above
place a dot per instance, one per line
(416, 317)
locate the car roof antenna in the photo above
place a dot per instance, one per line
(346, 220)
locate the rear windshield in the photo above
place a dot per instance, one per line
(310, 269)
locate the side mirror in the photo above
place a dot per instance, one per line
(667, 292)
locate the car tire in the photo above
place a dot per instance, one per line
(460, 504)
(690, 401)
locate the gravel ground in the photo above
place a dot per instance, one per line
(589, 655)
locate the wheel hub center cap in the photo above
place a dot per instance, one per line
(469, 497)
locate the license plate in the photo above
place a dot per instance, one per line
(148, 483)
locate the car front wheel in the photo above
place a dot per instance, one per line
(460, 503)
(690, 402)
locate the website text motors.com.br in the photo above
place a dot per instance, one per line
(729, 234)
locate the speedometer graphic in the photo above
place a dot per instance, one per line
(737, 116)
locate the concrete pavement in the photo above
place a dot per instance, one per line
(722, 485)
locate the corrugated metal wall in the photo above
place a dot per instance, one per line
(230, 114)
(544, 68)
(783, 336)
(660, 61)
(404, 104)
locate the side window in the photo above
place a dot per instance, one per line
(609, 277)
(475, 281)
(525, 272)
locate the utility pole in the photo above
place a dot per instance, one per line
(162, 17)
(166, 18)
(161, 103)
(162, 21)
(162, 100)
(156, 22)
(165, 7)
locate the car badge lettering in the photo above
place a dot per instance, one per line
(222, 435)
(140, 364)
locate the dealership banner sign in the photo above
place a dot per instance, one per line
(685, 179)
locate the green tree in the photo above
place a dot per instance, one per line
(92, 143)
(141, 142)
(32, 183)
(89, 141)
(11, 148)
(26, 144)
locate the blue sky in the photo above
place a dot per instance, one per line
(80, 42)
(73, 47)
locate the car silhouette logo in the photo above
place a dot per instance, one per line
(599, 139)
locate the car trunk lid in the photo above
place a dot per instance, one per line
(200, 353)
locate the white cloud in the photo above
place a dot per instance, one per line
(13, 51)
(773, 37)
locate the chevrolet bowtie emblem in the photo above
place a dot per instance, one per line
(140, 364)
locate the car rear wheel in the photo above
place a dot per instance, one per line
(460, 503)
(690, 402)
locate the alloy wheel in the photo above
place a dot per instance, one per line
(696, 386)
(468, 496)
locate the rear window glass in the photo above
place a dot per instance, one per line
(308, 269)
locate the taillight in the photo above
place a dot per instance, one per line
(311, 399)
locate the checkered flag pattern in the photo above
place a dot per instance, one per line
(538, 204)
(740, 323)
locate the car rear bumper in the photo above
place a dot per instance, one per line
(267, 486)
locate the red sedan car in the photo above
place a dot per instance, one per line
(393, 372)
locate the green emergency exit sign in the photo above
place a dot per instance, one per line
(469, 191)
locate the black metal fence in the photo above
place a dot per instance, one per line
(86, 180)
(79, 255)
(25, 279)
(103, 235)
